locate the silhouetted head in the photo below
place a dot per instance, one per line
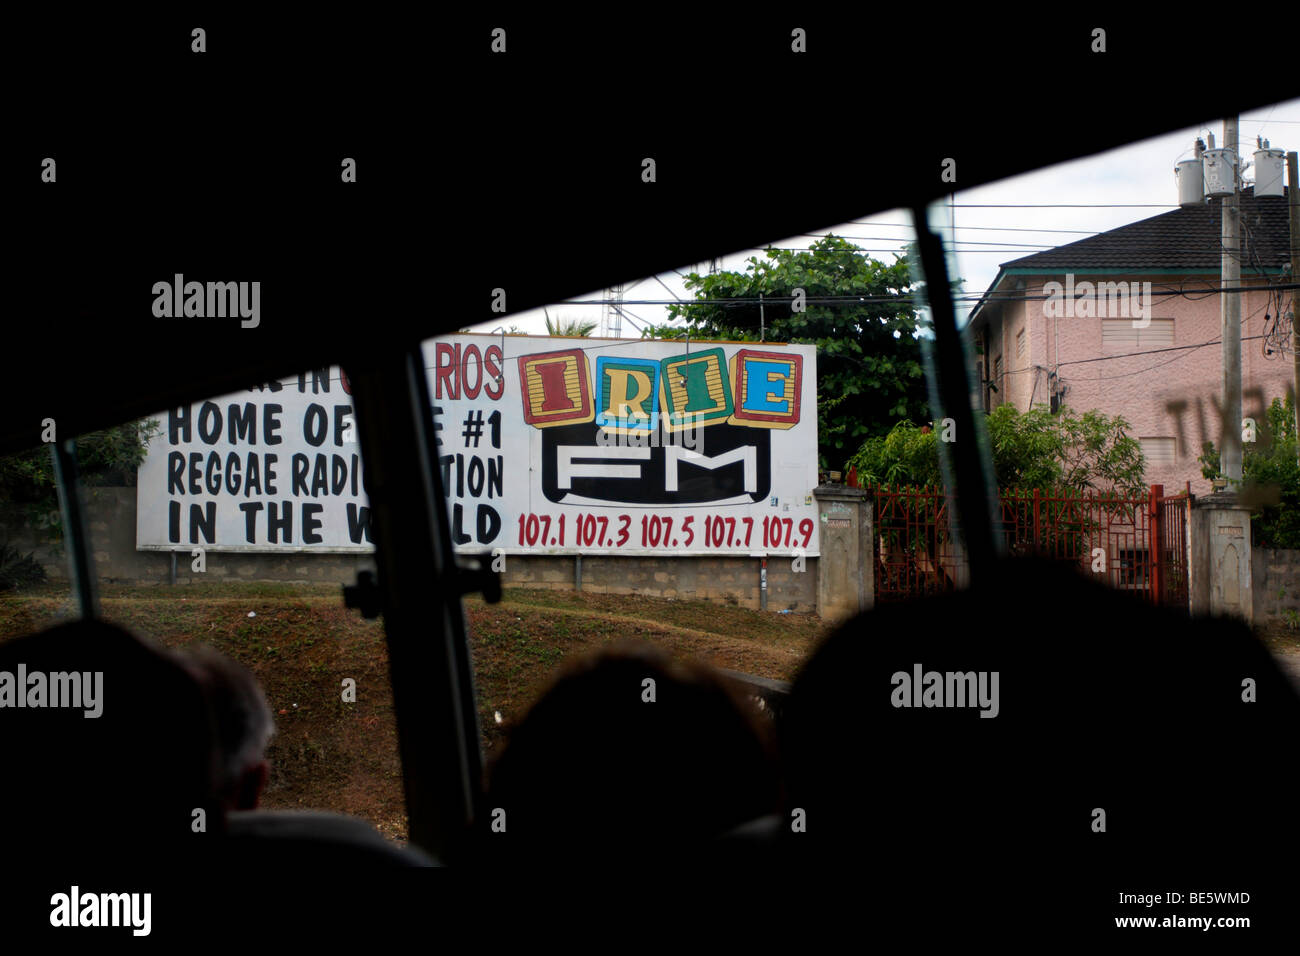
(111, 753)
(989, 724)
(243, 723)
(631, 754)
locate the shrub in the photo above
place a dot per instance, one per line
(18, 570)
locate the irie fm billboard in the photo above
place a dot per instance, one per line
(545, 446)
(605, 446)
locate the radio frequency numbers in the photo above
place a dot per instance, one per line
(780, 532)
(535, 529)
(662, 531)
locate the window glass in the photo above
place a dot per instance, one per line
(35, 583)
(230, 525)
(643, 462)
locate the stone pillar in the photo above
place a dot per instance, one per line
(845, 571)
(1220, 570)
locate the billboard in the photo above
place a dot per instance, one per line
(545, 446)
(273, 468)
(610, 446)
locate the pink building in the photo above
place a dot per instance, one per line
(1081, 351)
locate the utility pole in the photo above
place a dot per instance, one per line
(1230, 310)
(1293, 201)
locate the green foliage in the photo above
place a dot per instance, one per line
(1209, 461)
(664, 331)
(1064, 452)
(869, 370)
(907, 455)
(108, 457)
(575, 327)
(18, 570)
(1095, 452)
(1270, 476)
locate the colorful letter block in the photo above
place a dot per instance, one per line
(696, 389)
(556, 388)
(768, 386)
(627, 394)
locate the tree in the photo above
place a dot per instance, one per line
(664, 331)
(108, 457)
(869, 370)
(1061, 452)
(574, 327)
(1270, 477)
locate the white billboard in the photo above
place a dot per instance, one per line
(608, 446)
(545, 446)
(274, 468)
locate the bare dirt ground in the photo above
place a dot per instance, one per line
(301, 643)
(1284, 642)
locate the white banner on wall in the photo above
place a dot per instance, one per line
(274, 468)
(545, 446)
(604, 446)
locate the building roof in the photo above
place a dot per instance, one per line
(1179, 241)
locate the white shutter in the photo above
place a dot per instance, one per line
(1124, 335)
(1159, 451)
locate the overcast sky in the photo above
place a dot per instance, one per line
(1141, 173)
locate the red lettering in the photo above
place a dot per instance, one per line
(446, 362)
(464, 371)
(492, 367)
(554, 396)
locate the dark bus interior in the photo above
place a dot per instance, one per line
(479, 176)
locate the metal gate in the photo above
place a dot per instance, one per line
(1135, 544)
(1170, 533)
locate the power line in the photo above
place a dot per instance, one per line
(908, 225)
(1108, 358)
(861, 249)
(1067, 205)
(972, 242)
(1107, 378)
(907, 296)
(1172, 348)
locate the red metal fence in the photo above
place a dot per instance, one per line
(1170, 534)
(1137, 544)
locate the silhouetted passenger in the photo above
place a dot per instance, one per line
(1119, 736)
(243, 723)
(108, 750)
(628, 756)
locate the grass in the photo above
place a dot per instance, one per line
(1280, 637)
(301, 643)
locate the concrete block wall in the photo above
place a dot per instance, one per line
(1275, 573)
(111, 518)
(731, 580)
